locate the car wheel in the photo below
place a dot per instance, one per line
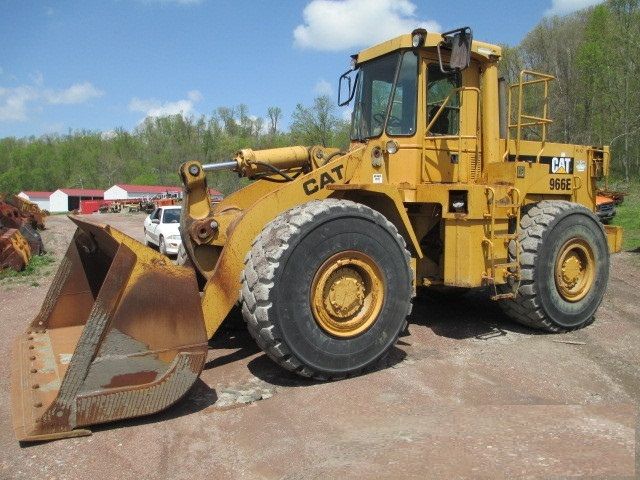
(161, 246)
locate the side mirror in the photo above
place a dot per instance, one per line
(346, 87)
(155, 220)
(459, 42)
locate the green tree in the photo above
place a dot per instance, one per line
(316, 125)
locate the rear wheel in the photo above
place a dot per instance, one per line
(326, 288)
(564, 260)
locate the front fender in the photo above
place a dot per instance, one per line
(223, 285)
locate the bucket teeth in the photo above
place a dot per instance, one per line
(120, 335)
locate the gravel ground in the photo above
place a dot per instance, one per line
(465, 393)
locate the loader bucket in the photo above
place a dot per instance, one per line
(120, 334)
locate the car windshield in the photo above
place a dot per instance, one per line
(171, 216)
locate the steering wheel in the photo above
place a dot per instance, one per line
(393, 120)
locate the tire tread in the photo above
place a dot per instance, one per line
(537, 221)
(261, 263)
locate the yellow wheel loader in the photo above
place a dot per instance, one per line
(442, 186)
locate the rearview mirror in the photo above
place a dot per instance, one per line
(459, 42)
(347, 87)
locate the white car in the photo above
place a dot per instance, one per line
(162, 229)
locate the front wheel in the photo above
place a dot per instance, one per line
(564, 259)
(326, 288)
(162, 246)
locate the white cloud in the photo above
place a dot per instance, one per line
(155, 108)
(76, 93)
(323, 88)
(564, 7)
(345, 24)
(15, 101)
(194, 95)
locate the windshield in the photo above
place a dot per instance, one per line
(171, 216)
(374, 92)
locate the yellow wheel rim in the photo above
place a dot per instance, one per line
(347, 294)
(575, 270)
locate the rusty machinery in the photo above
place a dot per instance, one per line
(20, 221)
(324, 250)
(29, 210)
(15, 252)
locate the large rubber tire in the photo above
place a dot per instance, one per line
(277, 287)
(545, 229)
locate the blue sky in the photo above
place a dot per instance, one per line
(99, 65)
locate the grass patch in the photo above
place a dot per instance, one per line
(628, 216)
(38, 265)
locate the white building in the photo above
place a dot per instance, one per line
(68, 199)
(39, 198)
(123, 191)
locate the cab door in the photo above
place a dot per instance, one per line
(451, 136)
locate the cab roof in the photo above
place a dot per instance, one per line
(483, 50)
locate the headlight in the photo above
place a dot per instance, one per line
(418, 36)
(392, 146)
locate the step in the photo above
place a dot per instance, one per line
(503, 296)
(507, 265)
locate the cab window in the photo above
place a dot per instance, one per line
(373, 92)
(402, 116)
(440, 86)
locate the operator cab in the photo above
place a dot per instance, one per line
(421, 93)
(385, 88)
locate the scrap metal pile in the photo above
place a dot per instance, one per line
(20, 221)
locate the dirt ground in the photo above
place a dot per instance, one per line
(465, 393)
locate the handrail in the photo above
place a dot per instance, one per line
(524, 119)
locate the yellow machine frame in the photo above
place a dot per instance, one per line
(498, 176)
(104, 347)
